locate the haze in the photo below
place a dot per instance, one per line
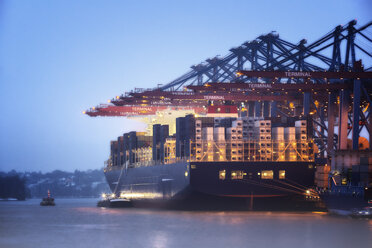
(58, 58)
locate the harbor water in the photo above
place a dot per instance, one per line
(79, 223)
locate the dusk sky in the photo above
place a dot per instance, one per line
(58, 58)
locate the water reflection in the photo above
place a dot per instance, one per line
(159, 239)
(29, 225)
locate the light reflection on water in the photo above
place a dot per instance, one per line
(160, 239)
(79, 223)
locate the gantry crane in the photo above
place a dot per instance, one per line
(328, 81)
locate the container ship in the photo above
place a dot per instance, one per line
(219, 156)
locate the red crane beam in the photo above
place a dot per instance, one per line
(109, 110)
(306, 74)
(275, 87)
(222, 96)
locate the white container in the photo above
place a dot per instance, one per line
(300, 123)
(260, 123)
(237, 123)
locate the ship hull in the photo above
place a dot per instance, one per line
(198, 181)
(344, 200)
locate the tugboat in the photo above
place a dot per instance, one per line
(348, 200)
(347, 188)
(48, 201)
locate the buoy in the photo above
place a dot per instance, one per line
(49, 201)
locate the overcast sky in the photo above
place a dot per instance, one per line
(58, 58)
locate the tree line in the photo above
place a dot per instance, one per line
(21, 185)
(13, 186)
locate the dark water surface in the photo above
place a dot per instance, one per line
(79, 223)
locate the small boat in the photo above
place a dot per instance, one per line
(362, 213)
(48, 201)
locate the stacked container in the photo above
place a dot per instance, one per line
(262, 133)
(198, 140)
(278, 143)
(235, 136)
(120, 151)
(126, 148)
(114, 152)
(223, 121)
(301, 136)
(156, 137)
(290, 139)
(207, 137)
(218, 139)
(185, 131)
(248, 126)
(238, 124)
(248, 137)
(321, 176)
(170, 150)
(220, 144)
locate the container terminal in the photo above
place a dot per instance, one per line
(272, 119)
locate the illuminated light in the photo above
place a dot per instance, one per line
(222, 174)
(308, 192)
(109, 101)
(103, 195)
(366, 108)
(94, 108)
(316, 212)
(186, 174)
(117, 97)
(83, 112)
(267, 174)
(113, 195)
